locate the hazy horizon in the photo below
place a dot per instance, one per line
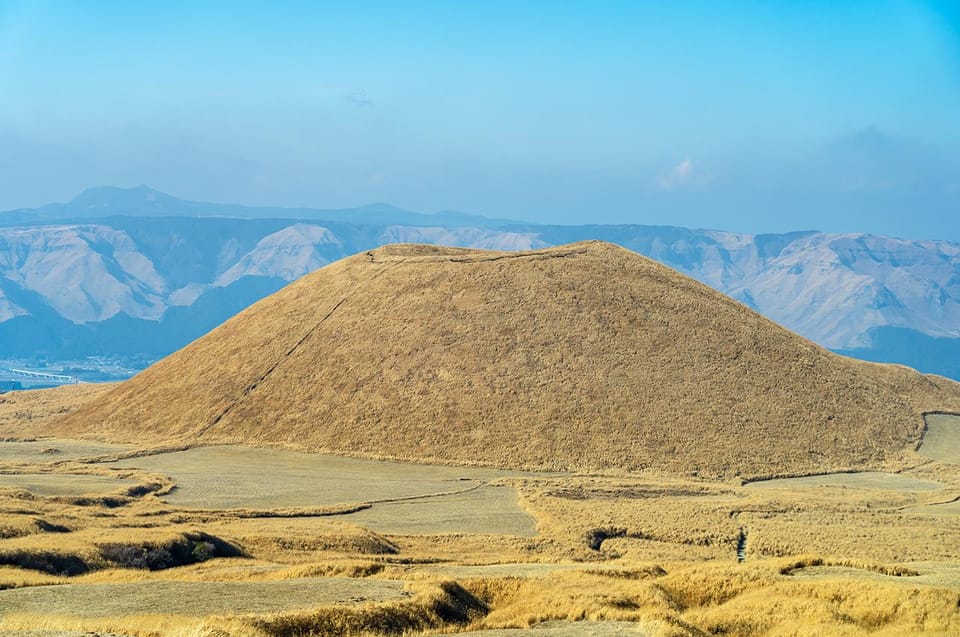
(745, 117)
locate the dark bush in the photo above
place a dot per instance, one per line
(187, 549)
(595, 537)
(46, 561)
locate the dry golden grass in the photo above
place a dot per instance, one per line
(23, 414)
(673, 574)
(580, 357)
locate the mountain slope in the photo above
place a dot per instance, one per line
(585, 356)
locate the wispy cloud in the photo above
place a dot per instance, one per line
(686, 174)
(359, 98)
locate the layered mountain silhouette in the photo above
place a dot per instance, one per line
(585, 357)
(138, 272)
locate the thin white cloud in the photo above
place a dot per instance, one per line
(686, 174)
(359, 98)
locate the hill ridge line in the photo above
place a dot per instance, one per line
(483, 256)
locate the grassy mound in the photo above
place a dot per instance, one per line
(581, 357)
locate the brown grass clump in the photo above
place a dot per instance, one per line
(580, 357)
(78, 553)
(437, 605)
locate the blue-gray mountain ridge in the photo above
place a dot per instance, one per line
(136, 272)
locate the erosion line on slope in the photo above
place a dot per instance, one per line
(252, 386)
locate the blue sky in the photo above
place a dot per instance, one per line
(749, 116)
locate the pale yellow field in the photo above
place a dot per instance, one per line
(197, 598)
(271, 542)
(63, 484)
(223, 477)
(511, 551)
(56, 450)
(942, 438)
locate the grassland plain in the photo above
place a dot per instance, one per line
(652, 550)
(583, 357)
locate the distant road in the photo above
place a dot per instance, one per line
(41, 376)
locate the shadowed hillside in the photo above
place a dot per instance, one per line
(585, 356)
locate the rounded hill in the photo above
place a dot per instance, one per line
(580, 357)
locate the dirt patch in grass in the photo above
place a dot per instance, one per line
(942, 438)
(487, 511)
(195, 598)
(861, 480)
(225, 477)
(407, 498)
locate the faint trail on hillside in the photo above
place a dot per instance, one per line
(427, 496)
(252, 386)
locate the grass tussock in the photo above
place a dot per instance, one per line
(893, 570)
(172, 551)
(439, 605)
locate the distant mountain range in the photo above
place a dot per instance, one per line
(128, 272)
(143, 201)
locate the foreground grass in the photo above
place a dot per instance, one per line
(667, 601)
(655, 551)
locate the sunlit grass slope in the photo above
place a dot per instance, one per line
(580, 357)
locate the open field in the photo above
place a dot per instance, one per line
(55, 450)
(947, 509)
(233, 477)
(487, 510)
(919, 573)
(942, 439)
(52, 484)
(195, 598)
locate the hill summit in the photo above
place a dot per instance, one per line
(581, 357)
